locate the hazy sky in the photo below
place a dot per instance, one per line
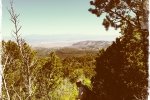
(56, 20)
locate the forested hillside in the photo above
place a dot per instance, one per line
(64, 52)
(76, 49)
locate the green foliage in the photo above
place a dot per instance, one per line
(65, 91)
(16, 68)
(122, 69)
(79, 67)
(10, 48)
(49, 77)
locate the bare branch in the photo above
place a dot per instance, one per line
(3, 77)
(5, 85)
(14, 19)
(16, 93)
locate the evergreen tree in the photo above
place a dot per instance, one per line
(122, 69)
(48, 77)
(122, 13)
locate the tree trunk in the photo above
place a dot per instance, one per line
(5, 85)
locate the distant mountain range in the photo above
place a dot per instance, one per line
(73, 49)
(81, 45)
(91, 45)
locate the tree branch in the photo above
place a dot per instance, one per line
(122, 18)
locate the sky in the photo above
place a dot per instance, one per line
(56, 20)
